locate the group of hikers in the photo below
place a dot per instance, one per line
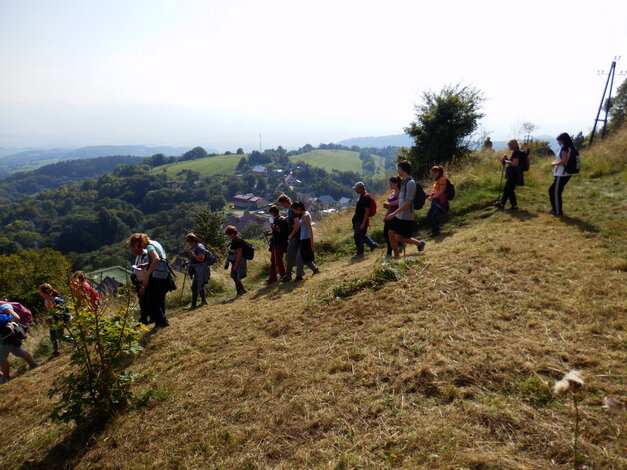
(291, 245)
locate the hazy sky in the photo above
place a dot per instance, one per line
(218, 73)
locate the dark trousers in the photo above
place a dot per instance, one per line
(361, 237)
(155, 301)
(435, 210)
(198, 289)
(555, 193)
(386, 230)
(509, 191)
(277, 267)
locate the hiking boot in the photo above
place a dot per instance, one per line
(421, 245)
(552, 212)
(498, 205)
(271, 281)
(286, 278)
(242, 292)
(34, 366)
(298, 279)
(358, 255)
(434, 234)
(388, 255)
(513, 208)
(373, 247)
(315, 271)
(55, 353)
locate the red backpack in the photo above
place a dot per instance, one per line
(373, 205)
(26, 316)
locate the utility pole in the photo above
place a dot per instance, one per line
(608, 83)
(260, 142)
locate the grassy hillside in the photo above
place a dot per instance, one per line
(447, 364)
(341, 160)
(210, 166)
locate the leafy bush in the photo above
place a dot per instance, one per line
(98, 384)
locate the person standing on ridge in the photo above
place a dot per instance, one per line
(513, 175)
(361, 220)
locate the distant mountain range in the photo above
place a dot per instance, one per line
(34, 158)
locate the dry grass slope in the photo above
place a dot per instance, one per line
(448, 368)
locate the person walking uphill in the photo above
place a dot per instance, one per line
(278, 244)
(59, 315)
(391, 205)
(306, 237)
(439, 201)
(198, 269)
(560, 176)
(513, 175)
(292, 255)
(157, 282)
(7, 315)
(402, 219)
(236, 259)
(361, 220)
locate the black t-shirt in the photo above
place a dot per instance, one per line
(235, 244)
(279, 238)
(364, 202)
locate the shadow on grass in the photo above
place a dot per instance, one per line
(582, 225)
(69, 452)
(522, 214)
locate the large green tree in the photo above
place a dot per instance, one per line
(618, 108)
(444, 122)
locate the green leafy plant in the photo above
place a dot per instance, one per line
(103, 343)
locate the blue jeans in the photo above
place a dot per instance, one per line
(435, 210)
(361, 238)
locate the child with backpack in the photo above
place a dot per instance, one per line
(198, 268)
(9, 344)
(59, 315)
(517, 164)
(236, 258)
(439, 199)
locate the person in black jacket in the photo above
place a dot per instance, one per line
(513, 175)
(278, 244)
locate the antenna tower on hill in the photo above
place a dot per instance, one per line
(608, 104)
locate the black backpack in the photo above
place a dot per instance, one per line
(210, 257)
(523, 161)
(248, 250)
(449, 192)
(13, 333)
(419, 198)
(573, 164)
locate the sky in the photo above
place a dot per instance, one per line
(219, 73)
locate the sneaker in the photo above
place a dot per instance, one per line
(271, 281)
(358, 255)
(552, 212)
(286, 278)
(316, 271)
(513, 208)
(191, 307)
(34, 366)
(203, 303)
(421, 245)
(298, 279)
(3, 380)
(388, 255)
(373, 247)
(55, 353)
(498, 205)
(434, 234)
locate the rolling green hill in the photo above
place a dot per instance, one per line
(341, 160)
(209, 166)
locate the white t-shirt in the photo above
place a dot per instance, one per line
(560, 170)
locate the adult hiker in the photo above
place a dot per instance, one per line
(364, 209)
(292, 255)
(560, 176)
(83, 291)
(390, 205)
(59, 315)
(439, 201)
(142, 260)
(236, 258)
(198, 269)
(157, 281)
(7, 315)
(514, 176)
(402, 219)
(306, 237)
(278, 244)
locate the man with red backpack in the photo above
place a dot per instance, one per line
(366, 207)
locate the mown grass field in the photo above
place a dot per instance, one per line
(209, 166)
(341, 160)
(448, 367)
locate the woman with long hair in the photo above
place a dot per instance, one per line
(560, 176)
(513, 175)
(306, 238)
(439, 201)
(391, 205)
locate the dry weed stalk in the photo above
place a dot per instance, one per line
(572, 383)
